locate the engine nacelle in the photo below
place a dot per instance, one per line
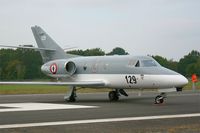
(59, 68)
(70, 67)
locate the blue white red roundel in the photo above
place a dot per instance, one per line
(53, 68)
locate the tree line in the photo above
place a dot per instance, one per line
(20, 64)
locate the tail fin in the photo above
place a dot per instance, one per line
(44, 41)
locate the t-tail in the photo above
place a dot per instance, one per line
(48, 48)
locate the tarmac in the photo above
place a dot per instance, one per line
(95, 113)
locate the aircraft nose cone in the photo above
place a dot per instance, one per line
(182, 80)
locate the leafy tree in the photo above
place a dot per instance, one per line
(15, 70)
(98, 52)
(20, 64)
(94, 52)
(6, 56)
(166, 63)
(161, 60)
(189, 63)
(88, 52)
(32, 61)
(193, 68)
(118, 51)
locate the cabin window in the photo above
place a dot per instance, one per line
(148, 63)
(85, 67)
(137, 64)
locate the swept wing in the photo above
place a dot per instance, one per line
(79, 83)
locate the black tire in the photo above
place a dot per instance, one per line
(113, 96)
(72, 99)
(159, 100)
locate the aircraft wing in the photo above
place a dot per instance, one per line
(80, 83)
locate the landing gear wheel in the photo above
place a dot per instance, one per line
(159, 99)
(71, 99)
(113, 96)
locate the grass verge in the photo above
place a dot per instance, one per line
(43, 89)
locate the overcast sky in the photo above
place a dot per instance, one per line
(170, 28)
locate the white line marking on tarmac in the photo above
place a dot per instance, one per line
(98, 121)
(13, 107)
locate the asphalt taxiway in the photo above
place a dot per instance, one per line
(94, 113)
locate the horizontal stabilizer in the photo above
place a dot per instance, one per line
(47, 49)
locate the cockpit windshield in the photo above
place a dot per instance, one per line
(148, 63)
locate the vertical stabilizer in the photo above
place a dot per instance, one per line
(43, 40)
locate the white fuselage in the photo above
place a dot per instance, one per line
(116, 72)
(142, 81)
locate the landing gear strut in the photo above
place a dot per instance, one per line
(71, 94)
(160, 98)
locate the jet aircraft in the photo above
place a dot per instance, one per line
(116, 72)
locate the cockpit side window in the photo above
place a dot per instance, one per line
(148, 63)
(137, 64)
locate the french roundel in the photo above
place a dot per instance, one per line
(54, 68)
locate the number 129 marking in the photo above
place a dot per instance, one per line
(131, 79)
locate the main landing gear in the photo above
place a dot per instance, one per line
(114, 95)
(71, 94)
(160, 98)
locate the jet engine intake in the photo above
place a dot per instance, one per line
(70, 67)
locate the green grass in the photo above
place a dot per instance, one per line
(189, 85)
(42, 89)
(31, 89)
(45, 89)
